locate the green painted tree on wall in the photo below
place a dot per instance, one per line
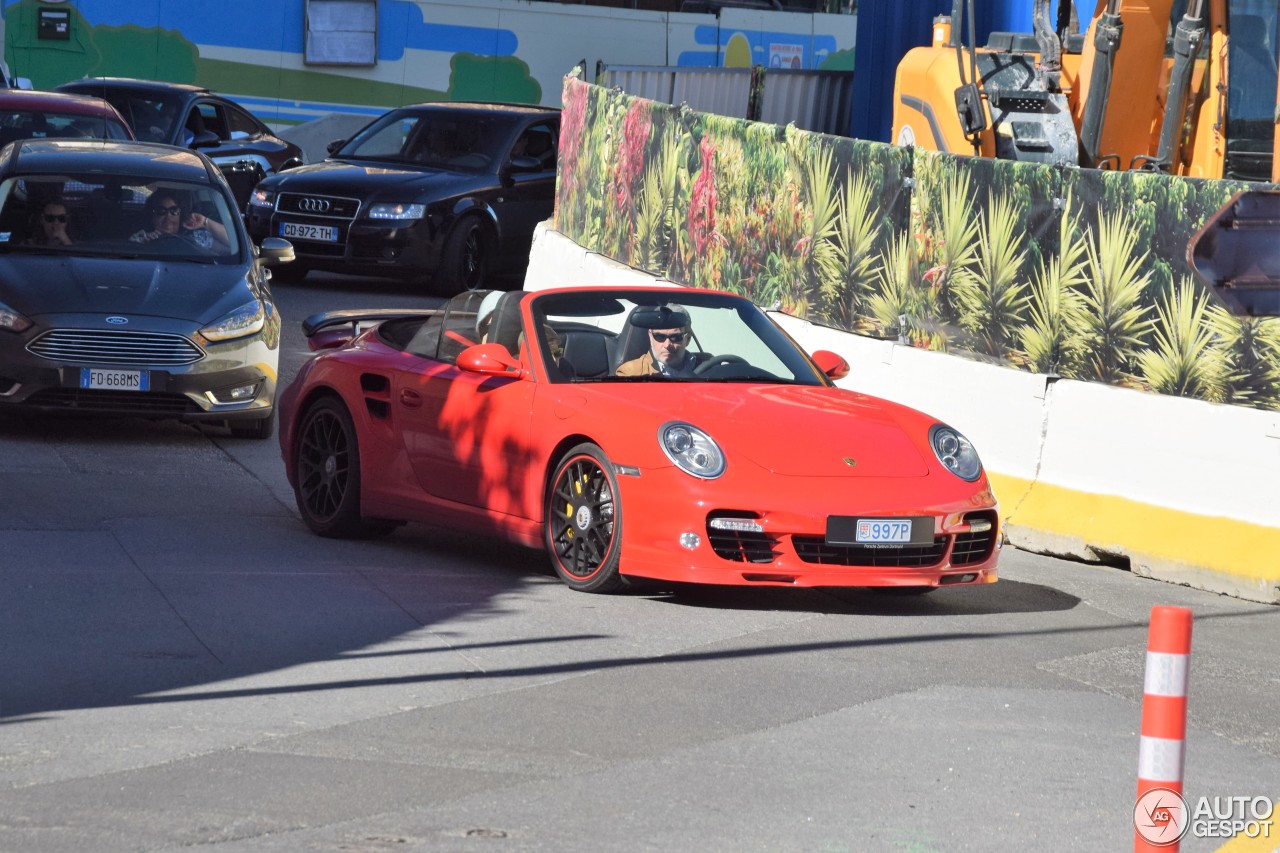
(489, 78)
(151, 53)
(45, 62)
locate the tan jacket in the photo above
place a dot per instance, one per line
(645, 365)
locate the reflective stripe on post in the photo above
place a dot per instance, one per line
(1161, 751)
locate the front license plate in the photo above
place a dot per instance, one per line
(852, 530)
(115, 380)
(300, 231)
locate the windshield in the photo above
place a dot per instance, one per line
(116, 215)
(460, 141)
(661, 336)
(42, 124)
(1251, 89)
(153, 119)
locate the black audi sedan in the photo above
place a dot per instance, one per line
(449, 193)
(129, 287)
(193, 117)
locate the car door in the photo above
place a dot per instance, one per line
(466, 435)
(528, 195)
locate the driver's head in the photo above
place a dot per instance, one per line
(166, 213)
(669, 345)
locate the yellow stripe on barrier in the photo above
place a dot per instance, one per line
(1240, 550)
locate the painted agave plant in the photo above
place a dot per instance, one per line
(1182, 359)
(1115, 320)
(1053, 339)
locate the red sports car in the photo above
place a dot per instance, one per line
(654, 432)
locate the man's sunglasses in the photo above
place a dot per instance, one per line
(171, 210)
(55, 217)
(674, 337)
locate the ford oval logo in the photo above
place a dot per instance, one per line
(314, 205)
(117, 321)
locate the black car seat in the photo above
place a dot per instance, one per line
(505, 326)
(540, 146)
(633, 341)
(587, 353)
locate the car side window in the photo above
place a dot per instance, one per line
(240, 124)
(538, 142)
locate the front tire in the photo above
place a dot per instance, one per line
(327, 471)
(583, 532)
(464, 263)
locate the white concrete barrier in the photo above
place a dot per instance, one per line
(1183, 490)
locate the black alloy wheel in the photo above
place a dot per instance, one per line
(584, 522)
(464, 264)
(327, 470)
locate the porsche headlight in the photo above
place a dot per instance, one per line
(693, 451)
(12, 321)
(386, 210)
(263, 198)
(248, 319)
(955, 452)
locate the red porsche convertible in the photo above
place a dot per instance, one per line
(656, 432)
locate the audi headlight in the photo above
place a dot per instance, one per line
(955, 452)
(693, 451)
(263, 198)
(248, 319)
(12, 321)
(387, 210)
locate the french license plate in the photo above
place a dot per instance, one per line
(115, 380)
(852, 530)
(302, 231)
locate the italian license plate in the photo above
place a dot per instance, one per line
(302, 231)
(852, 530)
(115, 380)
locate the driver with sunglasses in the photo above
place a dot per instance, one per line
(166, 219)
(668, 353)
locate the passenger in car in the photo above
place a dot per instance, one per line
(167, 220)
(50, 226)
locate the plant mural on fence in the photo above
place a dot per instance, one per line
(1067, 272)
(1053, 339)
(989, 297)
(1182, 359)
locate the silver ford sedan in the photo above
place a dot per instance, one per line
(128, 287)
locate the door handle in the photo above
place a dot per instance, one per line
(411, 399)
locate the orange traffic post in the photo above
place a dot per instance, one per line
(1161, 816)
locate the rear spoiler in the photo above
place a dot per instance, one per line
(356, 316)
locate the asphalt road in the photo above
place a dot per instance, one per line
(182, 665)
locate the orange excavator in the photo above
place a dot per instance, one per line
(1184, 87)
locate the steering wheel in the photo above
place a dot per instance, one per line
(717, 361)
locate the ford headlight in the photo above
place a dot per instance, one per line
(693, 451)
(248, 319)
(387, 210)
(955, 452)
(12, 321)
(263, 198)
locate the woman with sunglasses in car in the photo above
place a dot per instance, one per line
(167, 220)
(51, 226)
(668, 353)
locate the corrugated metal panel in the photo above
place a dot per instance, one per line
(820, 101)
(719, 91)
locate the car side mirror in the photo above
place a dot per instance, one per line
(489, 360)
(1234, 254)
(336, 144)
(275, 250)
(526, 164)
(831, 364)
(205, 139)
